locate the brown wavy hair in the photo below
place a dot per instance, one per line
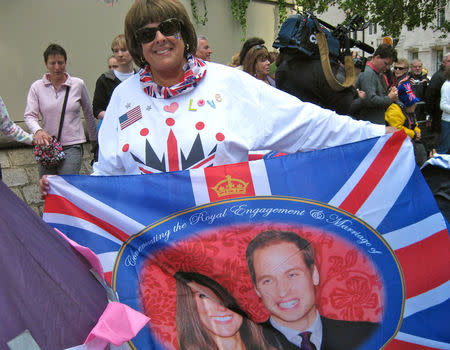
(252, 56)
(190, 331)
(143, 12)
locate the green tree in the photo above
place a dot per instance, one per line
(389, 14)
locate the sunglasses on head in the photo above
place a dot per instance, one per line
(168, 27)
(399, 68)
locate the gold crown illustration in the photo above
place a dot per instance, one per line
(230, 186)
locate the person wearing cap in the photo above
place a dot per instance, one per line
(401, 115)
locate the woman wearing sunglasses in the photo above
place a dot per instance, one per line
(401, 75)
(180, 112)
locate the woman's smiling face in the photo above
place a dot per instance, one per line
(164, 53)
(218, 320)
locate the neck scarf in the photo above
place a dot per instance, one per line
(194, 71)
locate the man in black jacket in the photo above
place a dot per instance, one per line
(282, 268)
(419, 83)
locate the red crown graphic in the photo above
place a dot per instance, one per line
(196, 157)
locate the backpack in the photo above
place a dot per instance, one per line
(299, 32)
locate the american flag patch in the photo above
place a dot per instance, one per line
(130, 117)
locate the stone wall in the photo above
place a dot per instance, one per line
(20, 174)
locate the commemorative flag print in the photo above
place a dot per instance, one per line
(175, 245)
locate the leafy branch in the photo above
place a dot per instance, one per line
(239, 11)
(195, 13)
(282, 11)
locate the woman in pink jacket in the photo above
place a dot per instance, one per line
(46, 98)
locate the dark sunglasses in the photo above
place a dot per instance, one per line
(168, 27)
(399, 68)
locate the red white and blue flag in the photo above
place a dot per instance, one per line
(373, 185)
(130, 117)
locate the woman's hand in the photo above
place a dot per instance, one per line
(101, 115)
(41, 138)
(44, 186)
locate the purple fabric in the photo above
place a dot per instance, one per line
(45, 286)
(306, 342)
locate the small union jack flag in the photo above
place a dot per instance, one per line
(409, 92)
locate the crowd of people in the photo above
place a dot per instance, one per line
(170, 63)
(401, 94)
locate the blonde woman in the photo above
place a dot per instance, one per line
(401, 74)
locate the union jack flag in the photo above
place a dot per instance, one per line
(195, 69)
(375, 180)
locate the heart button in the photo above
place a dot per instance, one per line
(171, 108)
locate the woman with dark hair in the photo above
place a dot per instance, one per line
(46, 98)
(208, 317)
(248, 44)
(257, 64)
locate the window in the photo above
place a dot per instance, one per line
(414, 55)
(372, 28)
(440, 15)
(439, 58)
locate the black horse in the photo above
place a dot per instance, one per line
(303, 77)
(310, 62)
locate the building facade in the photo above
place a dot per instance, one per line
(427, 45)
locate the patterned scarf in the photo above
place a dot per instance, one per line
(194, 71)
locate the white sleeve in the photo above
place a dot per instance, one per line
(445, 98)
(286, 124)
(109, 162)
